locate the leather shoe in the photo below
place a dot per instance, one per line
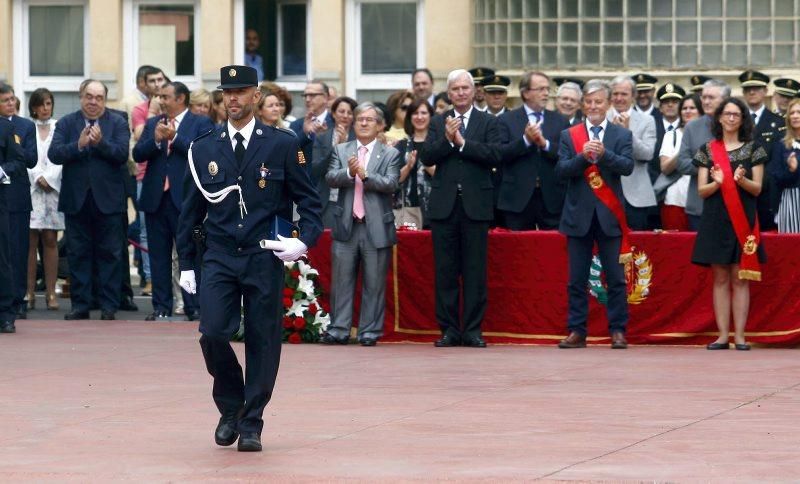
(127, 304)
(329, 339)
(75, 315)
(742, 346)
(107, 316)
(476, 342)
(226, 433)
(368, 341)
(192, 316)
(249, 442)
(156, 315)
(618, 341)
(574, 340)
(717, 346)
(7, 327)
(447, 341)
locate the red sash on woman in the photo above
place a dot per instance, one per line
(603, 192)
(749, 267)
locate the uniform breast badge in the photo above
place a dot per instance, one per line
(262, 177)
(213, 169)
(301, 158)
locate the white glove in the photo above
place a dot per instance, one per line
(293, 249)
(188, 282)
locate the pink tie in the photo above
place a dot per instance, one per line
(358, 197)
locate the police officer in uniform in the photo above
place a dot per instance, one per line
(239, 174)
(12, 164)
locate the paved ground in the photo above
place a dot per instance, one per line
(94, 401)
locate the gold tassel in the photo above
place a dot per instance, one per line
(749, 275)
(625, 258)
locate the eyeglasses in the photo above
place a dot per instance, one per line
(307, 95)
(731, 114)
(366, 119)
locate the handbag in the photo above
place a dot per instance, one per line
(409, 218)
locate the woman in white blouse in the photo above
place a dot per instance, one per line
(46, 220)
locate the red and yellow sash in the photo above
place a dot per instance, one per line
(749, 267)
(603, 192)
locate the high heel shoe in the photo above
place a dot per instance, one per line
(52, 302)
(31, 297)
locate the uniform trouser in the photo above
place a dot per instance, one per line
(347, 257)
(459, 253)
(162, 225)
(7, 312)
(19, 224)
(256, 279)
(580, 261)
(93, 241)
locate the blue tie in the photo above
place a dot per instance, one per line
(463, 128)
(596, 131)
(536, 115)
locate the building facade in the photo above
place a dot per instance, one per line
(366, 48)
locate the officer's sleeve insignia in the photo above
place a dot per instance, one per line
(301, 158)
(17, 139)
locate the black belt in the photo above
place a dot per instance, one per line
(361, 220)
(228, 246)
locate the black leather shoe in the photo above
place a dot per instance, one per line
(192, 316)
(75, 315)
(447, 341)
(742, 346)
(226, 433)
(249, 442)
(156, 316)
(107, 316)
(368, 341)
(127, 304)
(329, 339)
(717, 346)
(476, 342)
(7, 327)
(22, 312)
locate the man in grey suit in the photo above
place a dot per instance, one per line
(696, 133)
(367, 173)
(637, 187)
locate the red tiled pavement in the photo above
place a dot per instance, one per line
(96, 401)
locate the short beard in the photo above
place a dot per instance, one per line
(247, 110)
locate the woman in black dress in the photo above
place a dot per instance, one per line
(415, 178)
(717, 243)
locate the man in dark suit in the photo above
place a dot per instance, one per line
(164, 145)
(463, 143)
(92, 144)
(531, 196)
(316, 120)
(12, 165)
(769, 128)
(366, 173)
(568, 98)
(240, 175)
(19, 199)
(594, 212)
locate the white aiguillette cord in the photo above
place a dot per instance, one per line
(216, 197)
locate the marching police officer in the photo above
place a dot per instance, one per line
(239, 174)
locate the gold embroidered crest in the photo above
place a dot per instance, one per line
(595, 180)
(750, 245)
(301, 158)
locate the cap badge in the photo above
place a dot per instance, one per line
(232, 72)
(669, 88)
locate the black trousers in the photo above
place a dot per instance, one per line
(459, 252)
(19, 225)
(534, 216)
(580, 261)
(93, 241)
(7, 311)
(162, 225)
(227, 280)
(636, 216)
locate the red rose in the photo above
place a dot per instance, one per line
(295, 338)
(288, 292)
(295, 274)
(312, 308)
(287, 301)
(299, 323)
(288, 323)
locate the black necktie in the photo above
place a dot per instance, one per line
(754, 116)
(239, 150)
(92, 122)
(463, 128)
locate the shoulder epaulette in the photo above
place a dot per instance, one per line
(285, 130)
(204, 135)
